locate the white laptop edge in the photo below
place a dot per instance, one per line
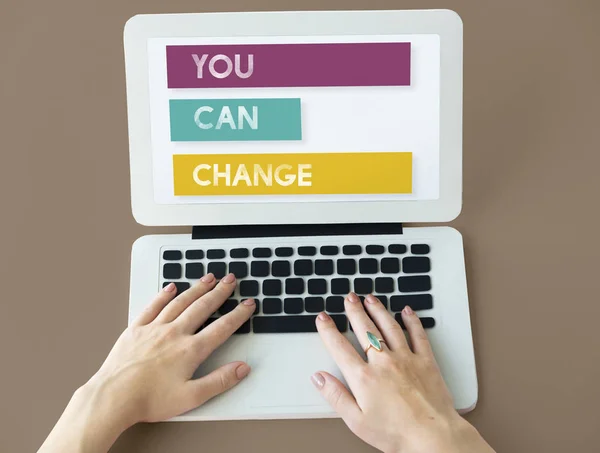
(445, 23)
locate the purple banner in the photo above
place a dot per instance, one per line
(288, 65)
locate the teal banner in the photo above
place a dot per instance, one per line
(202, 120)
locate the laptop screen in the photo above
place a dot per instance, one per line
(332, 118)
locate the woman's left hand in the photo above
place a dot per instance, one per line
(147, 376)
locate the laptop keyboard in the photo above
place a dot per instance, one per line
(291, 285)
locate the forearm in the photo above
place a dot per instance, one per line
(89, 424)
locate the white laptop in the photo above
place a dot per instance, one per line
(298, 145)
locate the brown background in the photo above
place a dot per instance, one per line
(530, 220)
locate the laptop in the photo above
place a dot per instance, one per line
(298, 145)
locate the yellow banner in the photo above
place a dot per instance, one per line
(293, 174)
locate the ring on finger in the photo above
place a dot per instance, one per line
(374, 342)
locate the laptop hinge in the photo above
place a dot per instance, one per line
(261, 231)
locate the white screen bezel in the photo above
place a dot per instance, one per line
(445, 23)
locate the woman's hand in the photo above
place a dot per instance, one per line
(148, 374)
(399, 401)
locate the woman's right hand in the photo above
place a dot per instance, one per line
(399, 401)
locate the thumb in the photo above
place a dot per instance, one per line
(337, 395)
(217, 382)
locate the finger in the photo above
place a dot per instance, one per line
(418, 338)
(388, 326)
(214, 335)
(153, 309)
(358, 317)
(222, 379)
(338, 346)
(187, 298)
(338, 397)
(201, 309)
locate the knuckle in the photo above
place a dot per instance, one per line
(170, 332)
(334, 396)
(421, 336)
(364, 376)
(225, 381)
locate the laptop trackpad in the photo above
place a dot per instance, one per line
(281, 369)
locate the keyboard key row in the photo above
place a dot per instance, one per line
(301, 324)
(302, 267)
(341, 286)
(266, 252)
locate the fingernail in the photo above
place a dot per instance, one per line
(352, 297)
(208, 278)
(371, 299)
(229, 278)
(248, 302)
(169, 288)
(242, 371)
(407, 310)
(324, 316)
(318, 380)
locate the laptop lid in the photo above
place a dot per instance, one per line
(295, 117)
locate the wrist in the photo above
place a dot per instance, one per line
(97, 406)
(455, 435)
(89, 423)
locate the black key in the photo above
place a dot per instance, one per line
(414, 301)
(397, 249)
(334, 304)
(194, 254)
(375, 249)
(245, 328)
(293, 305)
(181, 286)
(368, 266)
(428, 323)
(172, 271)
(383, 300)
(257, 309)
(346, 266)
(239, 269)
(340, 286)
(261, 252)
(330, 250)
(259, 268)
(271, 306)
(419, 249)
(294, 324)
(272, 287)
(384, 285)
(314, 304)
(363, 285)
(317, 286)
(284, 251)
(194, 271)
(390, 265)
(172, 255)
(215, 254)
(352, 249)
(228, 306)
(219, 269)
(303, 267)
(294, 286)
(238, 253)
(307, 251)
(280, 269)
(416, 265)
(324, 267)
(414, 284)
(248, 288)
